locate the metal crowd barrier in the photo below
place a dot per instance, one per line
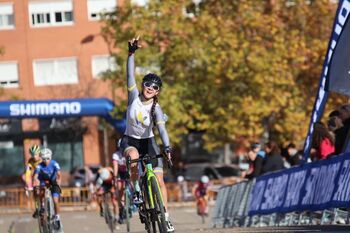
(19, 199)
(231, 208)
(232, 205)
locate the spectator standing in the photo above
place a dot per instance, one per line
(293, 155)
(334, 122)
(341, 134)
(256, 159)
(322, 141)
(273, 160)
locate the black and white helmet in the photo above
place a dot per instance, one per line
(45, 153)
(153, 78)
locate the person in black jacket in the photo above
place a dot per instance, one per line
(273, 160)
(294, 156)
(256, 159)
(342, 133)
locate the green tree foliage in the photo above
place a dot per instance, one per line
(228, 66)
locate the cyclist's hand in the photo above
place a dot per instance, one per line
(27, 188)
(167, 152)
(36, 190)
(134, 45)
(115, 181)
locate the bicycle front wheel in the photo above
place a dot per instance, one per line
(50, 210)
(158, 219)
(127, 208)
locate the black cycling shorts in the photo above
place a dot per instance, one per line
(144, 146)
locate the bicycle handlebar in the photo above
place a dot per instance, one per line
(148, 159)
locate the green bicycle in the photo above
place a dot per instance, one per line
(152, 210)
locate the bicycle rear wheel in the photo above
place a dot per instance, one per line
(158, 218)
(202, 209)
(108, 215)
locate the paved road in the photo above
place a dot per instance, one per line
(184, 219)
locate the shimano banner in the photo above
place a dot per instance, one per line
(315, 186)
(330, 64)
(61, 108)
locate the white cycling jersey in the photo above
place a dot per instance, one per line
(139, 119)
(118, 156)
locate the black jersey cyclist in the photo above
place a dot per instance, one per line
(143, 114)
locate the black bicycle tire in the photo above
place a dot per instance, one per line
(108, 216)
(159, 206)
(41, 222)
(50, 212)
(127, 207)
(44, 218)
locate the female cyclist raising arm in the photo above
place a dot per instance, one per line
(143, 113)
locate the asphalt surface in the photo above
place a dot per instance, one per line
(184, 219)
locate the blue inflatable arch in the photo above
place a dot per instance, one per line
(61, 108)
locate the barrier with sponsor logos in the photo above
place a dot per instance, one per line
(319, 187)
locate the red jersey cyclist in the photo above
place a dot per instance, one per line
(105, 185)
(120, 174)
(200, 193)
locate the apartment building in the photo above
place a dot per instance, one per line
(52, 49)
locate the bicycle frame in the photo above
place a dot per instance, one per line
(149, 174)
(152, 209)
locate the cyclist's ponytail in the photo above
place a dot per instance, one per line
(155, 101)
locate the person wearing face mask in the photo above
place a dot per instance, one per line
(143, 114)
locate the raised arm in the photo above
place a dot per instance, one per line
(132, 89)
(131, 83)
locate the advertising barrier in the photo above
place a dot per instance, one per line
(314, 186)
(318, 186)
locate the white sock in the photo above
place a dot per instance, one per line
(166, 216)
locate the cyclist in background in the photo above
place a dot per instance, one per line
(32, 163)
(120, 175)
(48, 173)
(105, 184)
(143, 114)
(200, 193)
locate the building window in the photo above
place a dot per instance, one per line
(11, 158)
(101, 64)
(96, 7)
(8, 74)
(55, 71)
(6, 16)
(52, 13)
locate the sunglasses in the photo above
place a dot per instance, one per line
(45, 159)
(151, 85)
